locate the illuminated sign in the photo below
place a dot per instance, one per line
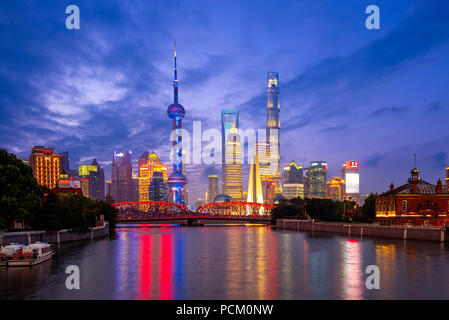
(352, 182)
(352, 164)
(119, 154)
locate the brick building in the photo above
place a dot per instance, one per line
(417, 202)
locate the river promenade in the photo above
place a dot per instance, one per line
(27, 237)
(367, 230)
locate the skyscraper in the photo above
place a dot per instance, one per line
(65, 162)
(293, 173)
(254, 184)
(335, 189)
(233, 166)
(293, 190)
(176, 112)
(122, 188)
(212, 190)
(274, 128)
(46, 166)
(318, 179)
(146, 170)
(158, 189)
(143, 160)
(92, 180)
(229, 120)
(350, 174)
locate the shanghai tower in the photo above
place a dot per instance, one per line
(274, 128)
(176, 112)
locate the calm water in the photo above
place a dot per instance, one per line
(234, 262)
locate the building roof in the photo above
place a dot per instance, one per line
(422, 187)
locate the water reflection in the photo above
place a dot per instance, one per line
(234, 262)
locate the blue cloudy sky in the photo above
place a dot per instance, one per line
(347, 93)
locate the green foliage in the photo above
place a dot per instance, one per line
(21, 198)
(319, 209)
(20, 195)
(369, 208)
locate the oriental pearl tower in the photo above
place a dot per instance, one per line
(175, 111)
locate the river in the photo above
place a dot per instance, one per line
(234, 262)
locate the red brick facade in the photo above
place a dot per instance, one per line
(417, 202)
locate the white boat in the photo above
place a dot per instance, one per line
(17, 255)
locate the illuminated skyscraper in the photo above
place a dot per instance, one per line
(293, 173)
(212, 190)
(274, 128)
(92, 180)
(146, 171)
(122, 187)
(46, 166)
(229, 120)
(254, 183)
(351, 176)
(318, 179)
(233, 166)
(143, 160)
(335, 189)
(176, 112)
(158, 189)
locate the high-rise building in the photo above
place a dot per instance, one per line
(108, 188)
(65, 163)
(233, 166)
(212, 190)
(92, 180)
(350, 174)
(176, 112)
(335, 189)
(46, 165)
(268, 187)
(158, 189)
(293, 173)
(229, 120)
(143, 160)
(318, 179)
(273, 134)
(122, 187)
(97, 183)
(146, 170)
(293, 190)
(306, 182)
(255, 184)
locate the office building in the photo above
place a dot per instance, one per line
(212, 190)
(158, 189)
(318, 179)
(229, 120)
(293, 190)
(335, 189)
(233, 166)
(122, 186)
(46, 165)
(351, 176)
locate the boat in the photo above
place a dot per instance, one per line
(18, 255)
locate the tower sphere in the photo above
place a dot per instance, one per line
(175, 111)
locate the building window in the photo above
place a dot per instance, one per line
(392, 205)
(384, 207)
(404, 206)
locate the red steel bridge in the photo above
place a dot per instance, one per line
(141, 211)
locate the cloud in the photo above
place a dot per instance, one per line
(389, 110)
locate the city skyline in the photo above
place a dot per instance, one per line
(99, 104)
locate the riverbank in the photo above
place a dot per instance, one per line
(27, 237)
(366, 230)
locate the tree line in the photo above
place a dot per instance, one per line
(23, 199)
(326, 209)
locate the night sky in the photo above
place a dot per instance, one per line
(347, 93)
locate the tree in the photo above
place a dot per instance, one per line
(20, 194)
(369, 208)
